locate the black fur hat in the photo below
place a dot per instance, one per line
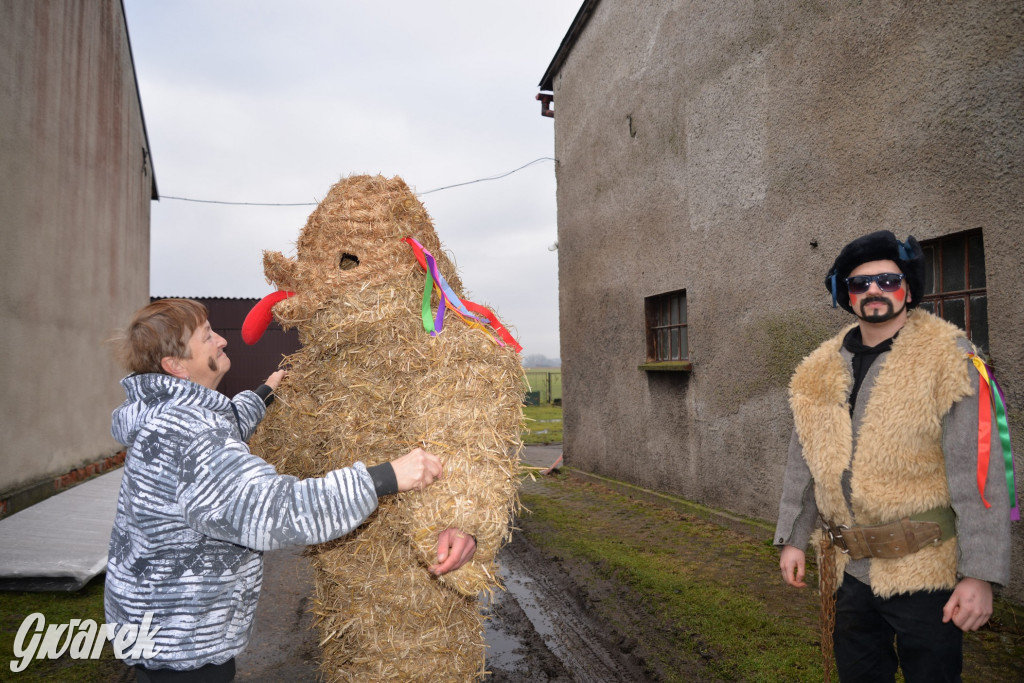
(877, 246)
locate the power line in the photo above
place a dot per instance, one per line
(419, 194)
(217, 201)
(480, 180)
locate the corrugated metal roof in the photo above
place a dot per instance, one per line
(250, 365)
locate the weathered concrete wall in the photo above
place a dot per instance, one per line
(75, 188)
(731, 149)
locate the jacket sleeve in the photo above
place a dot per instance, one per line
(983, 533)
(250, 409)
(798, 511)
(228, 493)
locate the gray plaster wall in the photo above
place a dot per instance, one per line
(75, 189)
(731, 149)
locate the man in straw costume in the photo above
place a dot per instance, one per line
(885, 461)
(196, 508)
(379, 369)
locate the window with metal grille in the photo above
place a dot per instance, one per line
(666, 327)
(954, 283)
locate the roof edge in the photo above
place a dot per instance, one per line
(154, 194)
(568, 42)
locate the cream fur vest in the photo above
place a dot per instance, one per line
(898, 467)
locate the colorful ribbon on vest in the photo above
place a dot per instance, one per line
(475, 315)
(990, 398)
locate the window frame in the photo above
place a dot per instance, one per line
(655, 328)
(936, 300)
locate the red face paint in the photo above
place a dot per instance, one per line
(900, 294)
(853, 299)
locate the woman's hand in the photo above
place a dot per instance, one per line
(275, 379)
(417, 469)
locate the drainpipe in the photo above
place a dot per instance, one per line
(547, 101)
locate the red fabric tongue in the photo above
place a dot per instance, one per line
(260, 316)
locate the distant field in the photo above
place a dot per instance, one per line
(544, 386)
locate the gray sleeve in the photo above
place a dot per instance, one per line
(250, 409)
(983, 533)
(798, 511)
(229, 494)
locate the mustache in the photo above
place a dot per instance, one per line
(872, 299)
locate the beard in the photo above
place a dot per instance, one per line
(877, 316)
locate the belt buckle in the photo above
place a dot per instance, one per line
(835, 535)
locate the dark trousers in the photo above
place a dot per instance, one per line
(867, 626)
(211, 673)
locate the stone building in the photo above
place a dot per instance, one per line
(76, 181)
(712, 159)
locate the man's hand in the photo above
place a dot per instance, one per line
(454, 549)
(792, 563)
(970, 606)
(275, 379)
(417, 469)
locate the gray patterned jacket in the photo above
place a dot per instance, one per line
(196, 509)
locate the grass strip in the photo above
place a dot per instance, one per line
(58, 608)
(710, 594)
(692, 578)
(543, 425)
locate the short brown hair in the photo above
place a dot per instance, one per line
(159, 330)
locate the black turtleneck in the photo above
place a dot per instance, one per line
(863, 357)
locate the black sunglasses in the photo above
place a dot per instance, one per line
(887, 282)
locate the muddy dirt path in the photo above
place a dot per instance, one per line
(540, 629)
(565, 618)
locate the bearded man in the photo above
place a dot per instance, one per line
(884, 461)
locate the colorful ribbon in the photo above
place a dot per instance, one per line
(473, 314)
(990, 397)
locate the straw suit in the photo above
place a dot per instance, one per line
(369, 381)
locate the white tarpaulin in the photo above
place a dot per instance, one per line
(60, 543)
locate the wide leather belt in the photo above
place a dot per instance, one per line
(895, 539)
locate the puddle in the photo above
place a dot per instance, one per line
(505, 650)
(502, 648)
(521, 587)
(567, 632)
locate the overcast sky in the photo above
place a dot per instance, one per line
(260, 101)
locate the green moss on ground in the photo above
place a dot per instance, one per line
(543, 425)
(57, 608)
(696, 596)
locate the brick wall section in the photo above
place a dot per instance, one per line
(93, 469)
(26, 497)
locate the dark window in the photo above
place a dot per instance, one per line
(954, 283)
(666, 327)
